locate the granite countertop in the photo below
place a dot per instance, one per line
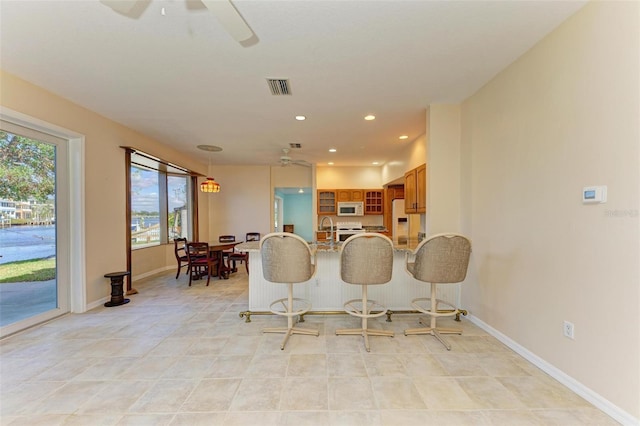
(408, 245)
(365, 227)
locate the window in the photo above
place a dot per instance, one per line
(179, 217)
(145, 207)
(161, 206)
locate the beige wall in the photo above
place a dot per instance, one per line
(333, 177)
(564, 116)
(292, 177)
(243, 203)
(443, 169)
(406, 157)
(104, 197)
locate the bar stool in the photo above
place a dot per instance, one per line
(366, 259)
(439, 259)
(287, 259)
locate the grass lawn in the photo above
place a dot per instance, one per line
(28, 270)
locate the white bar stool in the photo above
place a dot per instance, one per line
(287, 259)
(366, 259)
(440, 259)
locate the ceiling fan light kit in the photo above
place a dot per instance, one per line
(285, 160)
(226, 13)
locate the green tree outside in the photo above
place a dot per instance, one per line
(27, 169)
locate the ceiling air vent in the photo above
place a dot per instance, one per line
(279, 86)
(295, 145)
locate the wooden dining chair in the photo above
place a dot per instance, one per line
(201, 261)
(252, 236)
(242, 256)
(180, 250)
(226, 254)
(227, 239)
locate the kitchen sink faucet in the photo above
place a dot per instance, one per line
(331, 239)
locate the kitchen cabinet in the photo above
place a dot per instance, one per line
(349, 195)
(373, 201)
(395, 192)
(328, 199)
(322, 235)
(415, 190)
(326, 202)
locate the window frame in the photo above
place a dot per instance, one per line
(135, 157)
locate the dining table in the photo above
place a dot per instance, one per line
(216, 249)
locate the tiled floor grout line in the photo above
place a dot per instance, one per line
(196, 342)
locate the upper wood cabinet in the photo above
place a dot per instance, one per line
(349, 195)
(374, 201)
(395, 192)
(415, 190)
(326, 202)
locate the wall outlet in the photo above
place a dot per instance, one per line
(567, 328)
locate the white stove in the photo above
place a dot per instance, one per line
(346, 229)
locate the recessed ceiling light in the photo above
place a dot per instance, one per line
(375, 163)
(330, 163)
(300, 117)
(370, 117)
(332, 150)
(403, 137)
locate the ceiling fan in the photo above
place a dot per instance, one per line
(223, 10)
(285, 160)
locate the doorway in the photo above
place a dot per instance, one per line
(34, 228)
(293, 208)
(277, 213)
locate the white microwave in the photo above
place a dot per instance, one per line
(350, 208)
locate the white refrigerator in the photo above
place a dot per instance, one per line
(404, 225)
(400, 224)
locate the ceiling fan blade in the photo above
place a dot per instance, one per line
(130, 8)
(230, 19)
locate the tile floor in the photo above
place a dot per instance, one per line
(182, 356)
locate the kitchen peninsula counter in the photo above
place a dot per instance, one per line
(403, 246)
(326, 291)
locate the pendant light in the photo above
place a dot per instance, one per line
(209, 185)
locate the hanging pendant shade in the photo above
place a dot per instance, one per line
(210, 185)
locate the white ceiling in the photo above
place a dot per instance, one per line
(181, 79)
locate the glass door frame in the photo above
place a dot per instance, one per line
(70, 220)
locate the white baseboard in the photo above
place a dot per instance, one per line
(150, 273)
(101, 302)
(597, 400)
(98, 303)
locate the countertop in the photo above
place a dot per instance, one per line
(365, 227)
(402, 246)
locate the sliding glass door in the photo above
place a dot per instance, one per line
(34, 262)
